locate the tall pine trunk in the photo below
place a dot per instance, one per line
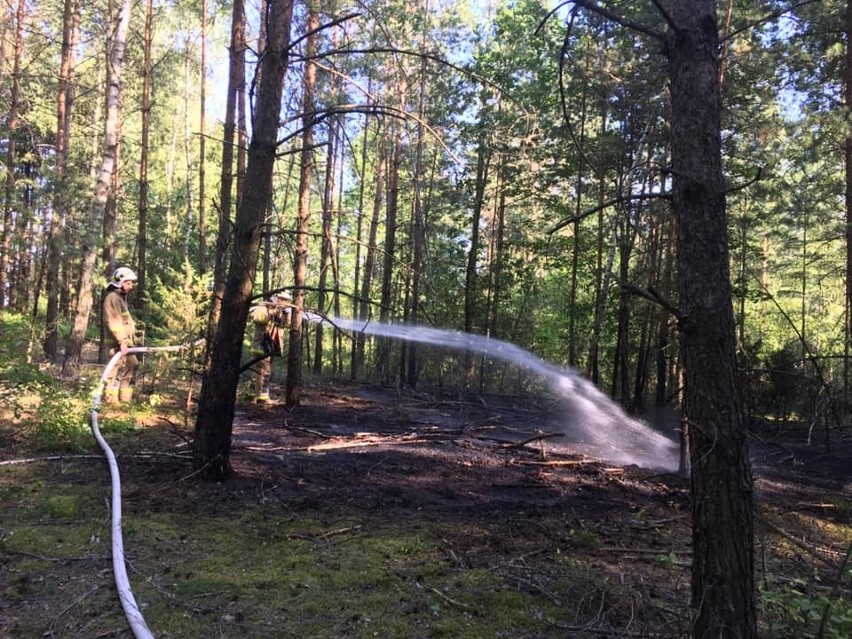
(144, 152)
(115, 63)
(61, 196)
(722, 500)
(202, 145)
(215, 417)
(11, 159)
(236, 78)
(294, 357)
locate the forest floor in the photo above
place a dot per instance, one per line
(423, 516)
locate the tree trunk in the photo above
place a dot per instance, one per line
(601, 281)
(74, 346)
(61, 199)
(294, 356)
(722, 500)
(575, 248)
(144, 150)
(372, 250)
(218, 392)
(202, 144)
(391, 213)
(356, 359)
(327, 254)
(483, 165)
(418, 235)
(236, 78)
(847, 95)
(11, 152)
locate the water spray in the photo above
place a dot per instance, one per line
(588, 413)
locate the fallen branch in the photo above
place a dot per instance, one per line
(449, 599)
(364, 443)
(555, 462)
(529, 440)
(810, 550)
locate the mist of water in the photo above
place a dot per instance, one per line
(589, 418)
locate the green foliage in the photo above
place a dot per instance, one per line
(51, 416)
(60, 422)
(791, 611)
(178, 306)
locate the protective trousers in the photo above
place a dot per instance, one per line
(120, 382)
(262, 379)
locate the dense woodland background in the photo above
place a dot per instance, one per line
(495, 168)
(508, 170)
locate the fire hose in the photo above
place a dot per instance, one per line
(128, 601)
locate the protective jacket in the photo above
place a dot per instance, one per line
(117, 319)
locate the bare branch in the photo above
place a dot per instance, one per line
(605, 205)
(769, 18)
(323, 27)
(624, 22)
(653, 295)
(755, 179)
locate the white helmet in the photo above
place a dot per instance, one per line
(280, 297)
(122, 275)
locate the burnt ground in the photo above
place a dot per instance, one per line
(497, 465)
(521, 489)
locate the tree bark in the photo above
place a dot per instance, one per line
(847, 95)
(61, 200)
(372, 250)
(300, 258)
(144, 151)
(722, 499)
(389, 253)
(483, 165)
(74, 345)
(215, 418)
(202, 145)
(11, 152)
(236, 78)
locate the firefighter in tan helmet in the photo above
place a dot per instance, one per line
(118, 335)
(271, 318)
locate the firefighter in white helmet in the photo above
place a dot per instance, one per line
(118, 335)
(271, 318)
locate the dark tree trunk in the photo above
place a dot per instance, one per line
(293, 389)
(483, 164)
(202, 141)
(236, 78)
(11, 159)
(722, 501)
(144, 153)
(61, 199)
(370, 260)
(218, 392)
(103, 185)
(847, 95)
(391, 214)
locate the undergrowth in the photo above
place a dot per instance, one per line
(261, 572)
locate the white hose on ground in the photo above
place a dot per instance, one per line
(119, 569)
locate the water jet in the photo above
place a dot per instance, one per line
(593, 423)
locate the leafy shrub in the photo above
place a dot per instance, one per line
(790, 612)
(61, 422)
(179, 306)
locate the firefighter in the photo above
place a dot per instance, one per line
(271, 319)
(118, 335)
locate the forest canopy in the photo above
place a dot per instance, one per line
(499, 168)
